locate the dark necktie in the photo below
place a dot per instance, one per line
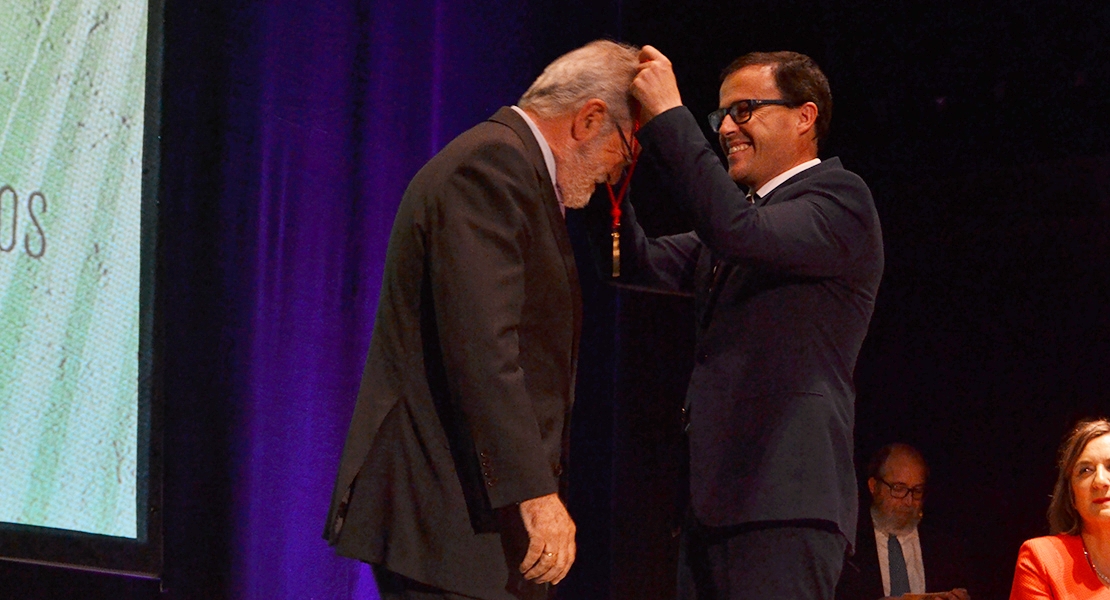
(899, 578)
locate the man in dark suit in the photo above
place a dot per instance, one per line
(450, 477)
(784, 285)
(896, 555)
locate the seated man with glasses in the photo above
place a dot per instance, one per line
(895, 555)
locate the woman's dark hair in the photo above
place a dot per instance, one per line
(1062, 515)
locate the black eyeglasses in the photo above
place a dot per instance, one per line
(628, 145)
(900, 490)
(741, 111)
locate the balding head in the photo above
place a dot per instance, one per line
(898, 451)
(897, 470)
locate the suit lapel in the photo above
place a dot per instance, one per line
(868, 552)
(509, 117)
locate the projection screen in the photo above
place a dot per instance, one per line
(79, 84)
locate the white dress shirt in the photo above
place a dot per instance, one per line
(911, 550)
(781, 177)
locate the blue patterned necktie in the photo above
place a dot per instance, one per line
(899, 578)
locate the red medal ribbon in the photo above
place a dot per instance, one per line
(615, 200)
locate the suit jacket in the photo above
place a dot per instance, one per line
(784, 292)
(463, 408)
(1054, 566)
(941, 555)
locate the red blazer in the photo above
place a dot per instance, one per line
(1055, 567)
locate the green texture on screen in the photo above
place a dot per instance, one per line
(72, 77)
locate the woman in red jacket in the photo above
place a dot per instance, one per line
(1075, 562)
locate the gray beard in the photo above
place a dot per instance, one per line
(579, 175)
(894, 525)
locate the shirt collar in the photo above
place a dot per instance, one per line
(781, 177)
(548, 156)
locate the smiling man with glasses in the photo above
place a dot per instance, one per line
(897, 556)
(784, 269)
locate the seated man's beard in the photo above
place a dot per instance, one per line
(580, 173)
(898, 522)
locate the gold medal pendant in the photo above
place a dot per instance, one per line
(616, 254)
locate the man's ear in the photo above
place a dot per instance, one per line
(871, 485)
(807, 119)
(589, 120)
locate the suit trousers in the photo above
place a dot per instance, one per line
(392, 586)
(771, 560)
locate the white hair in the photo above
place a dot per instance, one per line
(601, 69)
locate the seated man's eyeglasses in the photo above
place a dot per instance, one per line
(741, 111)
(900, 490)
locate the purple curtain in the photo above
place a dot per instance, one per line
(291, 129)
(341, 103)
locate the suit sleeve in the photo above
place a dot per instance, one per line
(477, 251)
(815, 234)
(1030, 577)
(664, 263)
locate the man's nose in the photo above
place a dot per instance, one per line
(727, 125)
